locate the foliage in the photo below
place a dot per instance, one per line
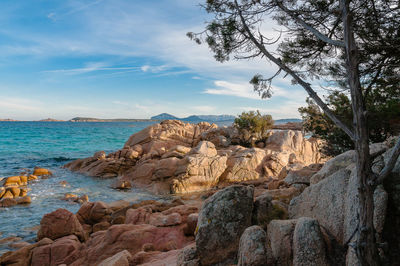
(383, 122)
(253, 127)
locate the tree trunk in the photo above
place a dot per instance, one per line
(366, 249)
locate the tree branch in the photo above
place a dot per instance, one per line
(299, 80)
(390, 165)
(311, 29)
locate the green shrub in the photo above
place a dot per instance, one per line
(253, 127)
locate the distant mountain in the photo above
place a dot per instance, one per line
(164, 116)
(196, 118)
(284, 121)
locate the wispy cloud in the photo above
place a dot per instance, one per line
(91, 67)
(244, 90)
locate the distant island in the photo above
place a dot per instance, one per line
(90, 119)
(51, 120)
(8, 120)
(160, 117)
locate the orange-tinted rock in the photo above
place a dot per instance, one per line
(8, 195)
(2, 192)
(13, 181)
(32, 177)
(60, 223)
(70, 197)
(24, 180)
(15, 191)
(42, 172)
(24, 192)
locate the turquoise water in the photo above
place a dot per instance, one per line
(51, 145)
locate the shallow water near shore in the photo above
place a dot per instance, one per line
(24, 145)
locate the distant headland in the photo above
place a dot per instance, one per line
(160, 117)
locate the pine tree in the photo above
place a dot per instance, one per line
(352, 43)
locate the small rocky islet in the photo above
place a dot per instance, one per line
(281, 203)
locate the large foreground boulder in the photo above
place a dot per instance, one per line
(221, 222)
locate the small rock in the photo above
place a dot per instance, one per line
(118, 220)
(188, 256)
(15, 191)
(24, 192)
(120, 259)
(42, 172)
(148, 247)
(252, 247)
(8, 195)
(7, 202)
(70, 197)
(12, 181)
(10, 239)
(18, 245)
(24, 200)
(308, 244)
(24, 180)
(122, 184)
(64, 183)
(191, 223)
(159, 219)
(101, 226)
(32, 177)
(119, 204)
(279, 241)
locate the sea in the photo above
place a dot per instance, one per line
(24, 145)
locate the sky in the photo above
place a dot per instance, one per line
(123, 59)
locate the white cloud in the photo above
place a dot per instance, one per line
(145, 68)
(244, 90)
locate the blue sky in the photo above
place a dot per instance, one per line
(122, 59)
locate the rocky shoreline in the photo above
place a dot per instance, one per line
(279, 204)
